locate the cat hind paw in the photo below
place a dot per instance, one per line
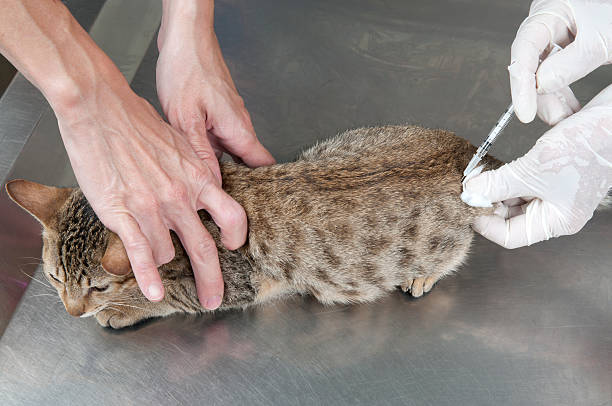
(417, 286)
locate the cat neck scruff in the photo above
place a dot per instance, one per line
(352, 218)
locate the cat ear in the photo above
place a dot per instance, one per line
(115, 260)
(42, 202)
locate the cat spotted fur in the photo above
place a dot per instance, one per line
(352, 218)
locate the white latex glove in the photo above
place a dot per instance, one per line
(554, 189)
(584, 29)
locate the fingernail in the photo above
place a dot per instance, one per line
(155, 292)
(212, 303)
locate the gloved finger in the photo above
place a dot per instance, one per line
(568, 65)
(203, 257)
(511, 207)
(532, 39)
(141, 258)
(227, 214)
(498, 185)
(517, 231)
(507, 212)
(554, 107)
(515, 201)
(499, 230)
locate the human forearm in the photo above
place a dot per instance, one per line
(56, 54)
(187, 19)
(196, 89)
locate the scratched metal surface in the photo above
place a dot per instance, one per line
(529, 326)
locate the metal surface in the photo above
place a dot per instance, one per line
(529, 326)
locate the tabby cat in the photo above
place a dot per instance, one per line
(352, 218)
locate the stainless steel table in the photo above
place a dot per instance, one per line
(529, 326)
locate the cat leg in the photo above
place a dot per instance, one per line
(268, 288)
(123, 316)
(442, 255)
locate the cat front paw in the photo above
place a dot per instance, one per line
(417, 286)
(115, 319)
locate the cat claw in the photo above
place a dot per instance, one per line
(418, 286)
(405, 287)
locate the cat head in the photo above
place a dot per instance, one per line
(82, 259)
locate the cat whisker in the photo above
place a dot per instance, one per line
(115, 309)
(126, 305)
(43, 294)
(93, 312)
(36, 258)
(45, 284)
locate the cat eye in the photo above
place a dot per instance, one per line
(99, 288)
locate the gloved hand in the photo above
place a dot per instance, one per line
(553, 189)
(584, 29)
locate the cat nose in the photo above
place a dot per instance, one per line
(74, 309)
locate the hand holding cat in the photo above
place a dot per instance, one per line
(584, 29)
(554, 189)
(142, 178)
(196, 90)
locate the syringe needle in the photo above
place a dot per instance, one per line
(488, 143)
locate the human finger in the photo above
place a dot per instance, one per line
(497, 185)
(530, 227)
(532, 39)
(204, 259)
(554, 107)
(141, 259)
(201, 145)
(227, 214)
(158, 235)
(571, 63)
(241, 141)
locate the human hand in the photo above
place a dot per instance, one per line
(142, 178)
(583, 29)
(553, 189)
(140, 175)
(196, 90)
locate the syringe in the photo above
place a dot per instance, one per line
(488, 143)
(499, 127)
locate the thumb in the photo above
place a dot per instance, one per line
(250, 151)
(240, 141)
(498, 185)
(563, 68)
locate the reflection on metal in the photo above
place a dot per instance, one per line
(529, 326)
